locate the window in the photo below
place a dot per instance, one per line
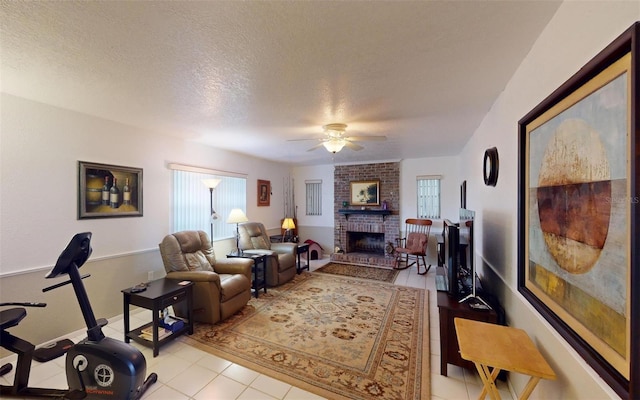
(191, 208)
(314, 197)
(429, 196)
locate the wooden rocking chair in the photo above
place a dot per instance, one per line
(413, 247)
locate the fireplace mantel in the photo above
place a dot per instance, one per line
(347, 212)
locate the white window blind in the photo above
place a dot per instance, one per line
(314, 197)
(429, 196)
(192, 201)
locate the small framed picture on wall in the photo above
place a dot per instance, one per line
(264, 193)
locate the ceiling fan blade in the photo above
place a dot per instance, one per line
(352, 146)
(302, 140)
(366, 138)
(315, 147)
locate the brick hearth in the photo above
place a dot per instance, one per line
(364, 259)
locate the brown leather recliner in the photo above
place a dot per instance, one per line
(281, 263)
(221, 287)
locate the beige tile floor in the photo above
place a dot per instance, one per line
(186, 373)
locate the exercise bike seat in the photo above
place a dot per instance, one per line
(11, 317)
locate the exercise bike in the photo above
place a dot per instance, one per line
(97, 367)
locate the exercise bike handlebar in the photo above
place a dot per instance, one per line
(73, 256)
(57, 285)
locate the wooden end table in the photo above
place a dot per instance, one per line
(493, 348)
(301, 249)
(158, 295)
(259, 270)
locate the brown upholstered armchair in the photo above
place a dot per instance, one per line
(222, 287)
(281, 263)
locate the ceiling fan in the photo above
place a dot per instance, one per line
(335, 139)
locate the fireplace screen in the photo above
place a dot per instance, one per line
(365, 242)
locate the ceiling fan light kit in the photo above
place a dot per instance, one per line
(334, 132)
(335, 139)
(334, 145)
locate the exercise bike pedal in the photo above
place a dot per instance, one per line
(151, 379)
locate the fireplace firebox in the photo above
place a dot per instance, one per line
(365, 242)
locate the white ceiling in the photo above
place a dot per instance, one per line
(249, 76)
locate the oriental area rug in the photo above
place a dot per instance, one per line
(338, 337)
(358, 271)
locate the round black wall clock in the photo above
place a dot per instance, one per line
(490, 166)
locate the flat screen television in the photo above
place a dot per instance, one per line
(467, 259)
(467, 276)
(451, 256)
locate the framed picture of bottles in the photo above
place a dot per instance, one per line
(108, 191)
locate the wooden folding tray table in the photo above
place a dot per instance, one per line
(501, 348)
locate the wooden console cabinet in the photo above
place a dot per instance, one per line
(449, 308)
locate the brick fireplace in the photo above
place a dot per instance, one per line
(361, 234)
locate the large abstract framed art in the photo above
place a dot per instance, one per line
(579, 214)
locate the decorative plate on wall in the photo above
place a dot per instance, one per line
(490, 167)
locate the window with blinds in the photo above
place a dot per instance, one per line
(429, 196)
(314, 197)
(192, 201)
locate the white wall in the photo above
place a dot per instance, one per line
(40, 149)
(448, 167)
(578, 31)
(318, 228)
(318, 172)
(41, 146)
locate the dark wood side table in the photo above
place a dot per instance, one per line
(158, 295)
(259, 270)
(283, 239)
(276, 238)
(449, 308)
(301, 249)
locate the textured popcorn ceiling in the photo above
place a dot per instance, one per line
(249, 76)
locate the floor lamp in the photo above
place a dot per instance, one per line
(237, 216)
(211, 184)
